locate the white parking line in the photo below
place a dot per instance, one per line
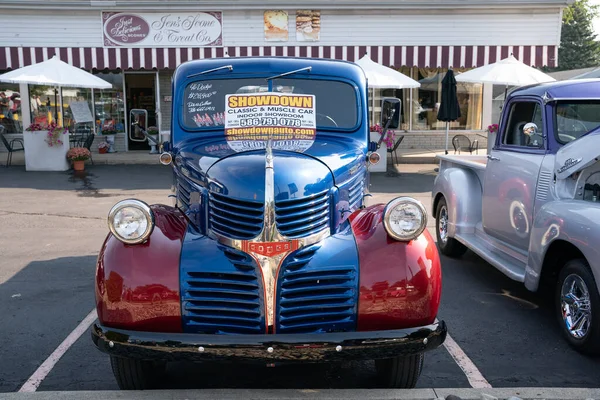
(476, 379)
(40, 374)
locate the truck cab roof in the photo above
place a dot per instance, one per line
(570, 89)
(272, 65)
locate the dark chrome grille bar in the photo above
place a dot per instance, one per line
(320, 299)
(355, 193)
(235, 218)
(183, 194)
(222, 302)
(303, 217)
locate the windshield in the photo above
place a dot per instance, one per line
(575, 118)
(204, 104)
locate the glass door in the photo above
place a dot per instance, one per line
(141, 94)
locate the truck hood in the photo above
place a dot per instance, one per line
(577, 155)
(341, 157)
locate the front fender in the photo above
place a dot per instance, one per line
(137, 286)
(574, 221)
(400, 282)
(463, 192)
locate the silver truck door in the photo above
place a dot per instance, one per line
(511, 174)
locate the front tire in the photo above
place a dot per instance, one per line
(134, 374)
(400, 372)
(448, 246)
(578, 306)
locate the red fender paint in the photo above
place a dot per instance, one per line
(137, 286)
(400, 282)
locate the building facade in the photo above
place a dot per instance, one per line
(136, 45)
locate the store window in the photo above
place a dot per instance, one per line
(44, 105)
(109, 107)
(426, 101)
(77, 108)
(10, 108)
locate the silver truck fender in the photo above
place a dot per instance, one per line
(461, 188)
(560, 222)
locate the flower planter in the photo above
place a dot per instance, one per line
(381, 166)
(79, 165)
(39, 156)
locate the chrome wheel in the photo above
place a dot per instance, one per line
(576, 306)
(443, 224)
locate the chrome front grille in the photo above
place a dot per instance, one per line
(227, 302)
(234, 218)
(313, 300)
(303, 217)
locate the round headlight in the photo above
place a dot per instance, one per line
(131, 221)
(404, 218)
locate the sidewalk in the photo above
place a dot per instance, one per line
(426, 156)
(327, 394)
(119, 158)
(405, 156)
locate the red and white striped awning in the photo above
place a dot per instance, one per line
(99, 58)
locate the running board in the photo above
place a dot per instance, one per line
(506, 264)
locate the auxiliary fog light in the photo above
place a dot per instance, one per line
(404, 218)
(165, 158)
(374, 158)
(131, 221)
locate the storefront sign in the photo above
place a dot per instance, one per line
(289, 120)
(197, 29)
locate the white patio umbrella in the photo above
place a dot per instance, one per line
(57, 73)
(382, 77)
(54, 72)
(508, 72)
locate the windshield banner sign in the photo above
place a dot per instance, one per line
(289, 120)
(153, 29)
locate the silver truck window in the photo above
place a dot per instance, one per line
(522, 113)
(575, 118)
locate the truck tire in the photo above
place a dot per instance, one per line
(134, 374)
(578, 306)
(448, 246)
(400, 372)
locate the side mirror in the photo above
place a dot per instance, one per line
(530, 129)
(390, 113)
(138, 121)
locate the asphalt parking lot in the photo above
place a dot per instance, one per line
(53, 224)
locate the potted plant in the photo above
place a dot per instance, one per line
(153, 132)
(78, 155)
(387, 143)
(45, 147)
(109, 131)
(103, 147)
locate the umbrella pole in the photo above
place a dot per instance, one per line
(56, 106)
(447, 129)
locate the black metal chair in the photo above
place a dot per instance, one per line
(461, 142)
(87, 143)
(10, 146)
(392, 151)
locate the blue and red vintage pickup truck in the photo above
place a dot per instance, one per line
(270, 254)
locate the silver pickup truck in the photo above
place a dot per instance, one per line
(531, 207)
